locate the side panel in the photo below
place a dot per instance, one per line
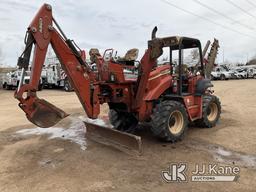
(193, 106)
(159, 81)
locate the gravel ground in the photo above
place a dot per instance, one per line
(61, 159)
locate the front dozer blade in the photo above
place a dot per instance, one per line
(45, 114)
(126, 142)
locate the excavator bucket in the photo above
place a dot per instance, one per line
(125, 142)
(45, 114)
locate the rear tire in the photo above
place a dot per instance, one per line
(211, 111)
(169, 121)
(67, 86)
(122, 121)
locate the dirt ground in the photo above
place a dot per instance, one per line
(36, 163)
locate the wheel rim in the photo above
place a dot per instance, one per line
(175, 122)
(212, 112)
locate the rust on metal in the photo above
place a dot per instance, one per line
(45, 114)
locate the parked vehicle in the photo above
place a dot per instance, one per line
(54, 76)
(11, 80)
(251, 73)
(221, 73)
(240, 73)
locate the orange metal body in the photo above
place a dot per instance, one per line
(136, 96)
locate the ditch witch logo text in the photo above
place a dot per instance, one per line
(178, 172)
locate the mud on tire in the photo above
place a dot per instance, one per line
(211, 112)
(169, 121)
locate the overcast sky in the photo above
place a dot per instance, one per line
(123, 24)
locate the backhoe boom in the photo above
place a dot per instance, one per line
(41, 34)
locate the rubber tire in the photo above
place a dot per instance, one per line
(8, 87)
(40, 87)
(4, 86)
(67, 87)
(222, 77)
(122, 121)
(159, 120)
(204, 122)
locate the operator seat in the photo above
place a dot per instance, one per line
(94, 52)
(184, 76)
(130, 57)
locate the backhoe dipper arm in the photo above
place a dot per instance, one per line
(41, 33)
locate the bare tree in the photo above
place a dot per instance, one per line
(252, 61)
(194, 54)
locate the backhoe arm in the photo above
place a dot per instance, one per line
(40, 34)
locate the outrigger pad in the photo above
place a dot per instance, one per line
(45, 114)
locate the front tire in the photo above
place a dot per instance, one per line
(211, 111)
(169, 121)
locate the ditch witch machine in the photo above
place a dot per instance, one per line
(168, 96)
